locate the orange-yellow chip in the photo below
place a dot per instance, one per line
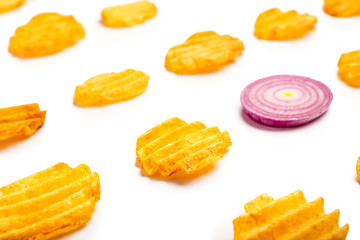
(358, 168)
(45, 34)
(276, 25)
(8, 5)
(21, 120)
(289, 217)
(175, 145)
(110, 88)
(49, 203)
(203, 52)
(128, 15)
(342, 8)
(349, 68)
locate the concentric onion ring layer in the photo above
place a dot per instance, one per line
(285, 100)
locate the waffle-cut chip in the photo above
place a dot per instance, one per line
(342, 8)
(128, 15)
(349, 68)
(274, 24)
(49, 203)
(8, 5)
(290, 218)
(175, 145)
(45, 34)
(203, 52)
(21, 120)
(110, 88)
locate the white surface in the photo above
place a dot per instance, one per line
(318, 158)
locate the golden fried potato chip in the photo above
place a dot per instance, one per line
(203, 52)
(49, 203)
(110, 88)
(21, 120)
(358, 168)
(8, 5)
(276, 25)
(45, 34)
(342, 8)
(175, 145)
(349, 68)
(128, 15)
(289, 217)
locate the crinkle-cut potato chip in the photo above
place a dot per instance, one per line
(8, 5)
(21, 120)
(45, 34)
(290, 218)
(274, 24)
(358, 168)
(203, 52)
(175, 145)
(342, 8)
(349, 68)
(49, 203)
(110, 88)
(128, 15)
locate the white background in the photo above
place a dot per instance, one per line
(318, 158)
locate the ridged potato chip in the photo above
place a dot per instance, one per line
(110, 88)
(342, 8)
(49, 203)
(349, 68)
(274, 24)
(21, 120)
(128, 15)
(358, 168)
(45, 34)
(175, 145)
(203, 52)
(289, 217)
(8, 5)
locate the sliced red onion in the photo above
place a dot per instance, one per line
(285, 100)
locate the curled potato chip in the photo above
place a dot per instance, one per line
(8, 5)
(342, 8)
(21, 120)
(128, 15)
(274, 24)
(203, 52)
(45, 34)
(289, 217)
(49, 203)
(349, 68)
(175, 145)
(109, 88)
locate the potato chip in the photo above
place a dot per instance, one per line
(289, 217)
(349, 68)
(203, 52)
(45, 34)
(128, 15)
(276, 25)
(175, 145)
(358, 168)
(8, 5)
(21, 120)
(49, 203)
(342, 8)
(110, 88)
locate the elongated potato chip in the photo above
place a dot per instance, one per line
(128, 15)
(110, 88)
(175, 145)
(203, 52)
(21, 120)
(342, 8)
(349, 68)
(49, 203)
(358, 168)
(274, 24)
(289, 217)
(8, 5)
(45, 34)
